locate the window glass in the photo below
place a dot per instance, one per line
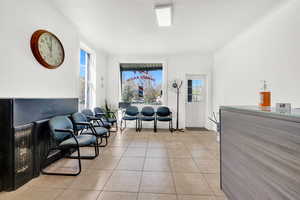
(85, 84)
(195, 89)
(142, 86)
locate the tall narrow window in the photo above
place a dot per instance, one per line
(85, 86)
(141, 83)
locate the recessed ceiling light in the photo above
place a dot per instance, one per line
(164, 15)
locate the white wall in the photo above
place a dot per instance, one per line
(269, 50)
(101, 63)
(20, 74)
(181, 65)
(175, 67)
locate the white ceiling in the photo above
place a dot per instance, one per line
(130, 27)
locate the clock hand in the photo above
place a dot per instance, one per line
(51, 47)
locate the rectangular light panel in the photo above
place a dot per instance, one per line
(164, 15)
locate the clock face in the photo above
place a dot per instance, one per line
(47, 49)
(50, 49)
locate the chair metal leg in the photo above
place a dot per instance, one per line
(116, 129)
(106, 142)
(137, 125)
(62, 174)
(108, 135)
(86, 157)
(121, 126)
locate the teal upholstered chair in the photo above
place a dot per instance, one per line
(147, 114)
(83, 126)
(163, 114)
(97, 121)
(109, 116)
(62, 133)
(131, 114)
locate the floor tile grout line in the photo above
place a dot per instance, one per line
(173, 178)
(133, 138)
(211, 190)
(111, 172)
(142, 174)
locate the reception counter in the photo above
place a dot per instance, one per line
(260, 153)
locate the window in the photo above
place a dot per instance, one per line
(141, 83)
(86, 86)
(194, 93)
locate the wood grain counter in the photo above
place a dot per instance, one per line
(260, 154)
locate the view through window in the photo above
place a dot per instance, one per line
(83, 79)
(194, 93)
(141, 83)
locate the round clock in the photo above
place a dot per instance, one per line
(47, 49)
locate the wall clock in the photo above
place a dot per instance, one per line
(47, 49)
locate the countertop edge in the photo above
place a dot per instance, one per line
(261, 113)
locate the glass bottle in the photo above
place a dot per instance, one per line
(265, 96)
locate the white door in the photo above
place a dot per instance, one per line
(195, 106)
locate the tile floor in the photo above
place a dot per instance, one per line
(137, 166)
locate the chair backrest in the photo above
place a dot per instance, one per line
(132, 111)
(87, 112)
(147, 111)
(79, 117)
(163, 111)
(99, 111)
(60, 122)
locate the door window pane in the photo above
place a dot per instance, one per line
(194, 90)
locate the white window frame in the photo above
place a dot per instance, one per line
(90, 77)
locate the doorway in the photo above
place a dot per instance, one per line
(195, 104)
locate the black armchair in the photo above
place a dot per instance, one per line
(109, 116)
(147, 114)
(83, 126)
(131, 113)
(61, 131)
(97, 121)
(163, 114)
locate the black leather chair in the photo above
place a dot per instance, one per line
(83, 126)
(147, 114)
(109, 116)
(62, 133)
(131, 113)
(163, 114)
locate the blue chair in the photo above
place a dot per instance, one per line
(97, 121)
(99, 112)
(61, 131)
(163, 114)
(147, 114)
(131, 113)
(83, 126)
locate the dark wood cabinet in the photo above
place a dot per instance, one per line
(24, 136)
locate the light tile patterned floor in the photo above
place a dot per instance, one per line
(137, 166)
